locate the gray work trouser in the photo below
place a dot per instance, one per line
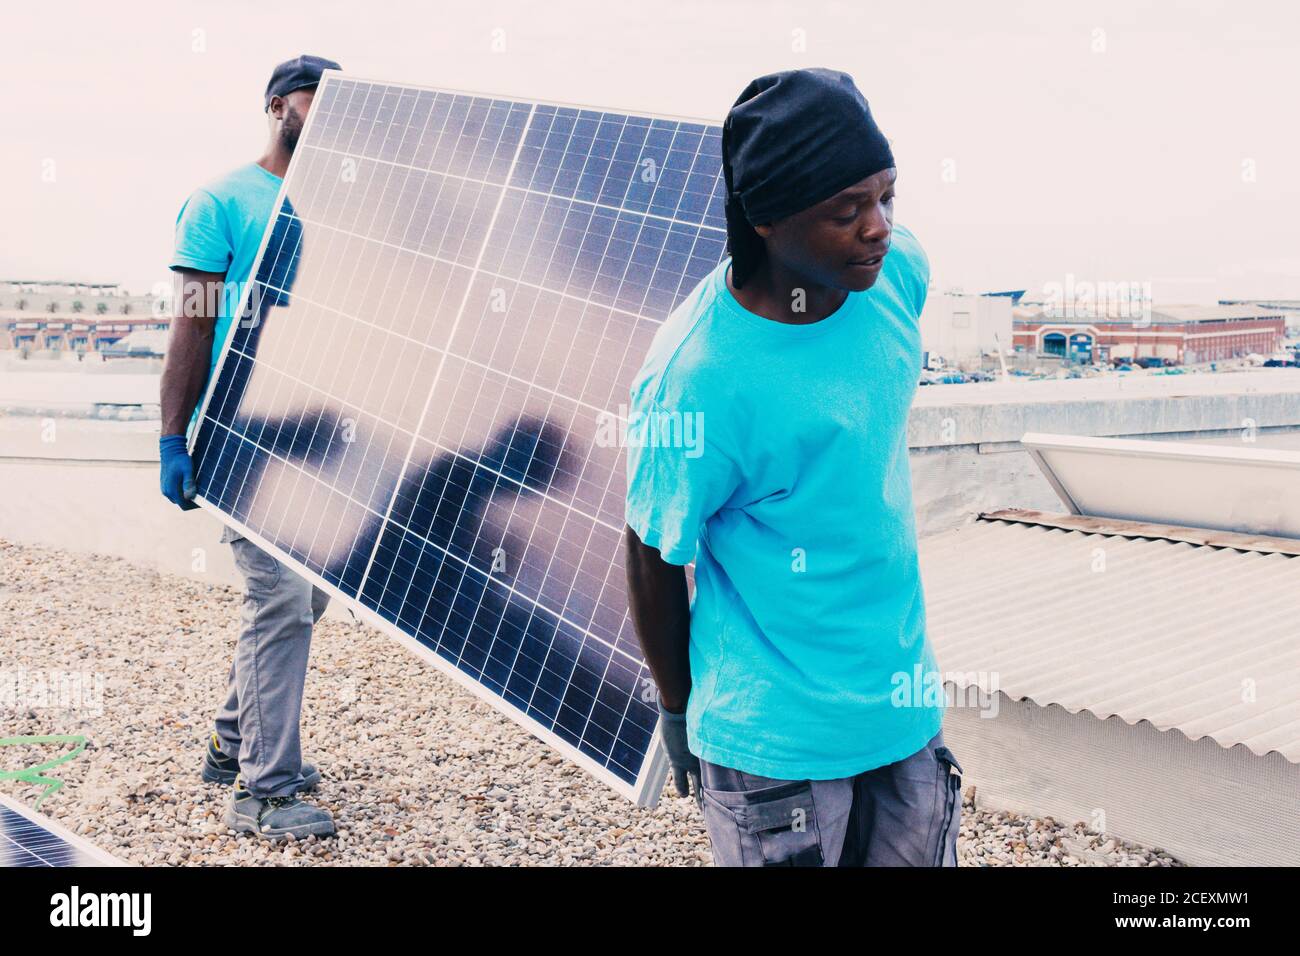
(259, 720)
(906, 813)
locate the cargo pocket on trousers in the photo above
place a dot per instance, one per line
(950, 820)
(771, 826)
(261, 571)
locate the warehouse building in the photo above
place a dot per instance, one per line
(1178, 334)
(962, 327)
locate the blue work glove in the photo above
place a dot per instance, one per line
(177, 471)
(685, 765)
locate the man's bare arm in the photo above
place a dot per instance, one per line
(189, 353)
(661, 614)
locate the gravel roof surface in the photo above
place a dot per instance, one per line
(416, 769)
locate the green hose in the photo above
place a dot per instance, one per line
(33, 774)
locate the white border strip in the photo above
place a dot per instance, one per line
(1041, 444)
(1171, 450)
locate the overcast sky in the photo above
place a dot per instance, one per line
(1115, 141)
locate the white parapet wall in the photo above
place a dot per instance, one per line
(91, 485)
(1205, 804)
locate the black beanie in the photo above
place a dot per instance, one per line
(791, 140)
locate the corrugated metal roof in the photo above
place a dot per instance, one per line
(1168, 631)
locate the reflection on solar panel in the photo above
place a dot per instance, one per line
(28, 839)
(416, 408)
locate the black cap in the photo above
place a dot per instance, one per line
(791, 140)
(296, 74)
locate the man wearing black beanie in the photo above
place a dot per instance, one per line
(767, 442)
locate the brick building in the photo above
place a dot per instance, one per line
(1179, 334)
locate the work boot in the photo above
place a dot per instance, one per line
(220, 767)
(274, 818)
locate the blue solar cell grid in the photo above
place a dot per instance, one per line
(25, 843)
(452, 299)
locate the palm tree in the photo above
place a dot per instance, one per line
(101, 307)
(78, 306)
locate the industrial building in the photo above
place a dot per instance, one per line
(1178, 334)
(73, 316)
(962, 327)
(1288, 307)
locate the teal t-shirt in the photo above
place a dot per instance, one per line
(775, 456)
(219, 229)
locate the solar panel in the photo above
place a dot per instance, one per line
(419, 407)
(27, 839)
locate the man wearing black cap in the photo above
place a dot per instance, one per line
(798, 690)
(255, 743)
